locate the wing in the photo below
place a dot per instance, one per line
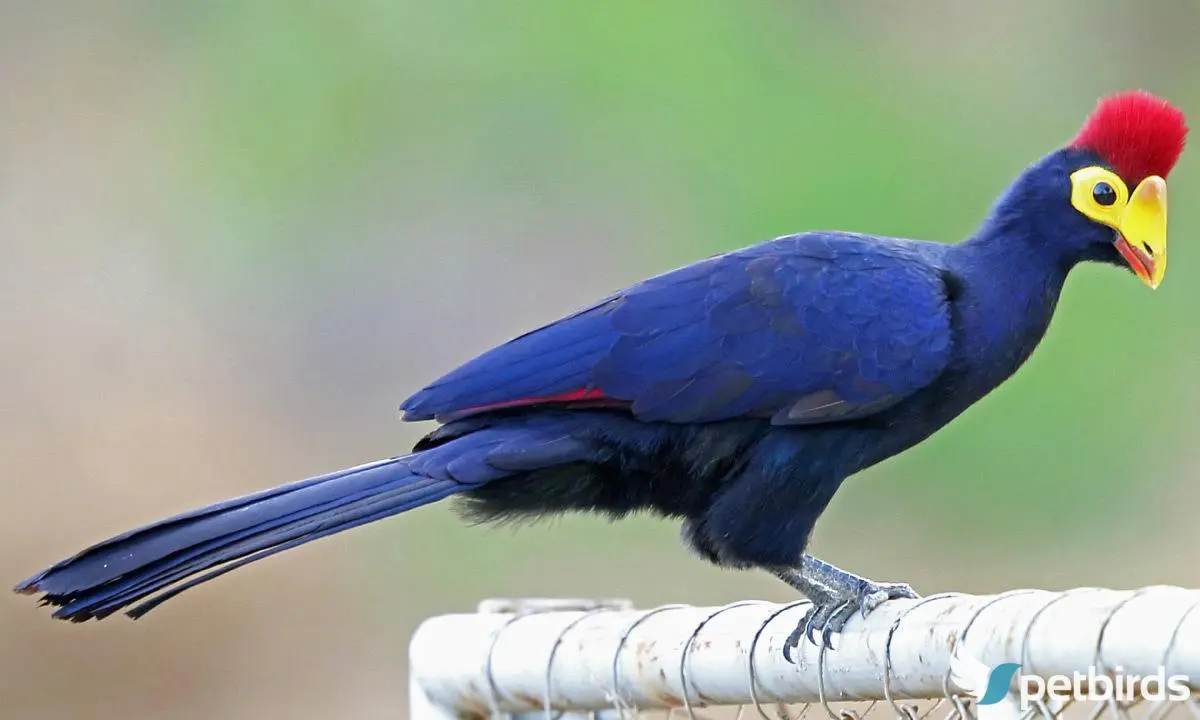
(802, 329)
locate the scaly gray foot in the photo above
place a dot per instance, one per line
(836, 596)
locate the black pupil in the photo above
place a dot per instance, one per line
(1104, 194)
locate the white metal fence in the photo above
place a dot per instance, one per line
(566, 658)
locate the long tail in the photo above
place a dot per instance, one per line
(130, 567)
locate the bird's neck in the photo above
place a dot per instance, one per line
(1010, 275)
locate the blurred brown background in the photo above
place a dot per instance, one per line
(236, 234)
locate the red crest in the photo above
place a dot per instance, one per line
(1136, 133)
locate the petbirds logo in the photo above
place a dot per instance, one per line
(993, 686)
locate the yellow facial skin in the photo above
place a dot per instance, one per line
(1140, 218)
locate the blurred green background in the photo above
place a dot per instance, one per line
(236, 234)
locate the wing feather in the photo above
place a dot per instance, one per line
(808, 328)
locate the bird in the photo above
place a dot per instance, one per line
(734, 395)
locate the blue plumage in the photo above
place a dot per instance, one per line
(735, 394)
(797, 329)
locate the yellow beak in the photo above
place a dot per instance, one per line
(1142, 231)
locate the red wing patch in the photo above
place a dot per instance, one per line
(590, 397)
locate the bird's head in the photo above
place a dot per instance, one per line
(1103, 196)
(1133, 139)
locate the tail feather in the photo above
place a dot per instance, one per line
(284, 538)
(149, 565)
(116, 555)
(130, 567)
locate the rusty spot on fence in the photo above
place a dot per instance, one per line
(529, 701)
(473, 708)
(473, 703)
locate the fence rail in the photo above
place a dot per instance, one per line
(568, 656)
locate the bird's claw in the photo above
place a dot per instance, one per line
(877, 594)
(829, 616)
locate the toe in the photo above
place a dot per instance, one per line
(802, 629)
(897, 591)
(816, 623)
(872, 601)
(793, 641)
(837, 622)
(877, 594)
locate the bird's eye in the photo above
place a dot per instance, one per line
(1104, 194)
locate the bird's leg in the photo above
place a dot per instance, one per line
(836, 595)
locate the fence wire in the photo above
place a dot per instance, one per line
(946, 708)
